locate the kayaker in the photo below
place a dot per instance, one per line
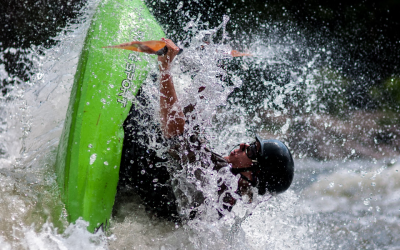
(264, 164)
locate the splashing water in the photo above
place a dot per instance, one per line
(32, 116)
(200, 66)
(330, 205)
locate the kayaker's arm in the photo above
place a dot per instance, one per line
(172, 117)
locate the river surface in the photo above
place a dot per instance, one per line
(337, 204)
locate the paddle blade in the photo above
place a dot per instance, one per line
(150, 47)
(236, 53)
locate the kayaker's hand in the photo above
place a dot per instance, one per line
(165, 60)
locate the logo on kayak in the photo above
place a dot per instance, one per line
(126, 93)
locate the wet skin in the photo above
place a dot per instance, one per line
(239, 159)
(172, 117)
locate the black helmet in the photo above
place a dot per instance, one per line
(275, 168)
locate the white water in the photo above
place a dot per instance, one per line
(331, 205)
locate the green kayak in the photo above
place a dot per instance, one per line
(89, 152)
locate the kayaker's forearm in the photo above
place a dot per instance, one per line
(172, 117)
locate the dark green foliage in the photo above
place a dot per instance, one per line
(388, 94)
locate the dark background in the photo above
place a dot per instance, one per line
(27, 23)
(364, 36)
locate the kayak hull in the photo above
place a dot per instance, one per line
(105, 84)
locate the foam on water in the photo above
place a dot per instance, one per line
(365, 188)
(356, 201)
(273, 224)
(330, 205)
(32, 115)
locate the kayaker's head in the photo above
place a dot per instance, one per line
(265, 164)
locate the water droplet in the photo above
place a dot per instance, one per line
(106, 163)
(92, 158)
(373, 184)
(143, 171)
(87, 103)
(103, 100)
(108, 148)
(180, 5)
(155, 180)
(90, 146)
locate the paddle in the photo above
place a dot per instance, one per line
(158, 48)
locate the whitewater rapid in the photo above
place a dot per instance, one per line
(335, 204)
